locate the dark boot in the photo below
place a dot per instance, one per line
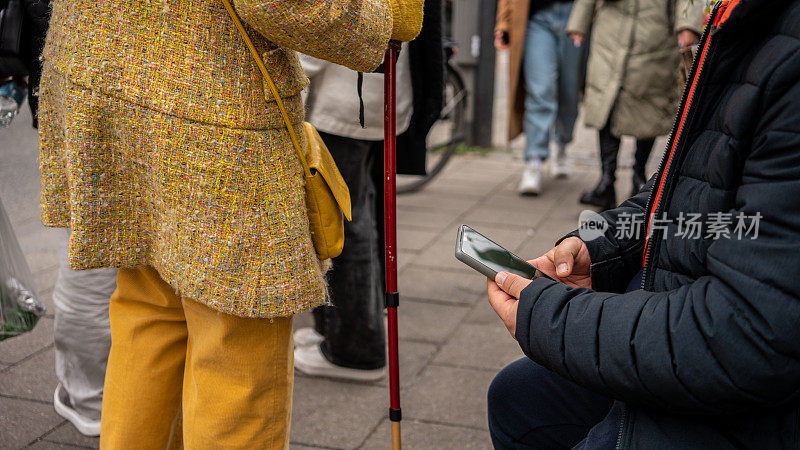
(604, 195)
(643, 149)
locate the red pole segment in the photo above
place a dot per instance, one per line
(390, 226)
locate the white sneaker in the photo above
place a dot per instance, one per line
(311, 361)
(531, 183)
(306, 336)
(85, 425)
(560, 166)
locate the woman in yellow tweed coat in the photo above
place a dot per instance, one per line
(164, 154)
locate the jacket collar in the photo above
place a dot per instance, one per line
(738, 13)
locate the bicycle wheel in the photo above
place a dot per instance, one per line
(445, 134)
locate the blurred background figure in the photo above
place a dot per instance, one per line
(544, 82)
(82, 337)
(631, 85)
(24, 26)
(348, 338)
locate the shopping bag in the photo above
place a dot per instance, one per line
(20, 307)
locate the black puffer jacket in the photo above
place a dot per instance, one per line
(707, 354)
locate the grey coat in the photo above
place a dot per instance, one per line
(632, 77)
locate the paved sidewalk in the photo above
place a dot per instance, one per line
(451, 344)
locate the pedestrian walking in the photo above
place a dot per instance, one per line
(661, 336)
(544, 83)
(632, 77)
(164, 153)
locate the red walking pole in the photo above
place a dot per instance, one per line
(392, 298)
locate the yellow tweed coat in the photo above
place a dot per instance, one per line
(158, 146)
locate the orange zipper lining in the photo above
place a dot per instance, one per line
(726, 9)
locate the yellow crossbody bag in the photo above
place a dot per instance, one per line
(327, 195)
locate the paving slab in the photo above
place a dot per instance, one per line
(464, 188)
(444, 286)
(66, 433)
(296, 446)
(33, 379)
(49, 445)
(23, 421)
(20, 347)
(482, 314)
(335, 414)
(450, 395)
(501, 215)
(424, 218)
(439, 202)
(41, 245)
(430, 436)
(441, 254)
(414, 357)
(478, 346)
(428, 322)
(415, 239)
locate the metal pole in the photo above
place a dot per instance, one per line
(392, 298)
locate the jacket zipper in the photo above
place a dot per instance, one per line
(622, 426)
(677, 132)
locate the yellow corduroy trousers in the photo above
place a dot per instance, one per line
(180, 373)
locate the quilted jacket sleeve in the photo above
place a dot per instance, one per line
(727, 342)
(353, 33)
(617, 254)
(689, 16)
(580, 20)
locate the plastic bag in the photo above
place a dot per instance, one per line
(20, 307)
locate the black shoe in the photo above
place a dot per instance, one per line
(603, 195)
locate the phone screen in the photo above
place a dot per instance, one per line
(493, 256)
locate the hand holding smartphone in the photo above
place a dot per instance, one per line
(489, 258)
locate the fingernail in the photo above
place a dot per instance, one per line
(500, 278)
(562, 268)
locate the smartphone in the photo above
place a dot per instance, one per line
(488, 257)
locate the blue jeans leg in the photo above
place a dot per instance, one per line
(551, 69)
(540, 70)
(533, 408)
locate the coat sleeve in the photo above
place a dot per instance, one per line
(727, 342)
(689, 16)
(503, 22)
(617, 254)
(580, 20)
(353, 33)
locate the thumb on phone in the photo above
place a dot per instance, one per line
(564, 257)
(511, 284)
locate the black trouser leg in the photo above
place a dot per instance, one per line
(533, 408)
(604, 195)
(353, 326)
(643, 149)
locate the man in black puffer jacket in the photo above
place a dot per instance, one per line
(702, 350)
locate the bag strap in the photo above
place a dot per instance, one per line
(268, 80)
